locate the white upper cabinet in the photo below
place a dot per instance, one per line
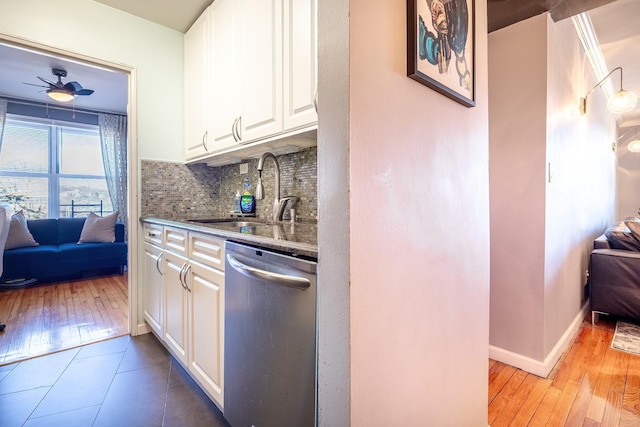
(300, 63)
(261, 69)
(196, 89)
(224, 16)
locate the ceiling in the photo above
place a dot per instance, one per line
(21, 66)
(614, 25)
(178, 15)
(613, 21)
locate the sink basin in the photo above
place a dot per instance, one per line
(242, 224)
(233, 223)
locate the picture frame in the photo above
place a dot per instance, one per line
(441, 47)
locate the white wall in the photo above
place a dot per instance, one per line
(541, 231)
(517, 131)
(333, 214)
(419, 223)
(581, 199)
(93, 29)
(628, 174)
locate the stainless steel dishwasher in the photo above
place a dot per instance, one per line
(270, 339)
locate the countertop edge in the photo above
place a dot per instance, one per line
(295, 248)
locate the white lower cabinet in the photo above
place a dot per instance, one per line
(175, 307)
(153, 289)
(184, 303)
(206, 326)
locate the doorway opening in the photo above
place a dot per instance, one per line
(55, 316)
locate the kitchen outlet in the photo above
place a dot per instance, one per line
(244, 168)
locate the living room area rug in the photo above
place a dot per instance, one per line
(626, 337)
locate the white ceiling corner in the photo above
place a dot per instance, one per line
(617, 31)
(177, 15)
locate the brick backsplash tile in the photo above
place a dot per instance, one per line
(177, 191)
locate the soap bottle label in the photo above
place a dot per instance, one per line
(247, 203)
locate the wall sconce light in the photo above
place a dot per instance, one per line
(634, 146)
(60, 95)
(619, 102)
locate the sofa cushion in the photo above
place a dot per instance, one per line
(33, 255)
(45, 231)
(621, 237)
(19, 235)
(89, 253)
(99, 229)
(69, 229)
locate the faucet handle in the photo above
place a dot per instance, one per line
(292, 199)
(281, 204)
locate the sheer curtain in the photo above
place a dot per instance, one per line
(3, 118)
(113, 138)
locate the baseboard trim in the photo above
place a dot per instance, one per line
(536, 367)
(143, 328)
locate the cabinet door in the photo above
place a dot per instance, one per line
(206, 322)
(300, 63)
(261, 69)
(175, 305)
(225, 72)
(153, 297)
(196, 80)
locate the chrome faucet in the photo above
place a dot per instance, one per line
(278, 203)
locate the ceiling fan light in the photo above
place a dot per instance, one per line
(634, 146)
(621, 102)
(60, 95)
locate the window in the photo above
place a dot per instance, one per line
(52, 170)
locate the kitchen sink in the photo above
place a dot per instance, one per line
(234, 223)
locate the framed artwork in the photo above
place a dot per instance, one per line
(441, 47)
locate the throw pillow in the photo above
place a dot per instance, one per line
(99, 229)
(620, 237)
(19, 234)
(634, 227)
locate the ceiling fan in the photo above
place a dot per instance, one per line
(62, 92)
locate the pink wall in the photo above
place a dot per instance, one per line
(419, 215)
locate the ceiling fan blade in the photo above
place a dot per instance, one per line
(77, 89)
(49, 82)
(33, 84)
(72, 86)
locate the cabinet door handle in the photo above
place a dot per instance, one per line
(158, 263)
(150, 234)
(233, 130)
(239, 128)
(181, 274)
(186, 271)
(204, 140)
(315, 99)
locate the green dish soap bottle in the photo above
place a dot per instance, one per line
(247, 203)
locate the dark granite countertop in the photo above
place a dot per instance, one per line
(299, 238)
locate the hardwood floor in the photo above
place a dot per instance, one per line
(592, 385)
(59, 316)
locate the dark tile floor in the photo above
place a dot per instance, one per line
(126, 381)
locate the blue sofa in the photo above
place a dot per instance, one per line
(60, 257)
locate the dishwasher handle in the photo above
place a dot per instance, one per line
(269, 276)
